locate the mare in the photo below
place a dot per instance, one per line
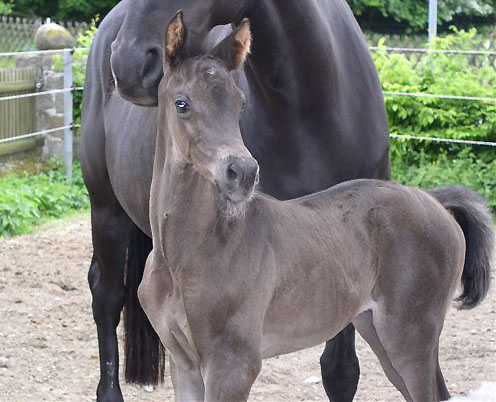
(314, 117)
(236, 276)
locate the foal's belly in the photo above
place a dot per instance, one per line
(280, 344)
(305, 316)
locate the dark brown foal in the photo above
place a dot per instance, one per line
(235, 276)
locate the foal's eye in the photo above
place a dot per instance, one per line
(182, 106)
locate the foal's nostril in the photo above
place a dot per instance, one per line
(238, 176)
(232, 174)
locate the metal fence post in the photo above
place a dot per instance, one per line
(68, 118)
(432, 20)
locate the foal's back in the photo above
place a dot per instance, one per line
(371, 211)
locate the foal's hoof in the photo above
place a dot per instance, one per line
(109, 394)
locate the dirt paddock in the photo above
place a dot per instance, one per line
(48, 346)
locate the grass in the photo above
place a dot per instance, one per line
(30, 199)
(51, 222)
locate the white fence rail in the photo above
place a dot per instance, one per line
(447, 140)
(425, 50)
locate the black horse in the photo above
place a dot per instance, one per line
(314, 117)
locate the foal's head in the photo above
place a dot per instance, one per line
(202, 105)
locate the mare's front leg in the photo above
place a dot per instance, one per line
(339, 366)
(110, 230)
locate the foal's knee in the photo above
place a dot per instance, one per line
(230, 376)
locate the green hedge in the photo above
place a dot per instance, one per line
(412, 15)
(28, 199)
(458, 168)
(425, 163)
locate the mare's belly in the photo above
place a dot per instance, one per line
(129, 150)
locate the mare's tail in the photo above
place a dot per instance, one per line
(473, 216)
(145, 355)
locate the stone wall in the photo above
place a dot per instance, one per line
(50, 107)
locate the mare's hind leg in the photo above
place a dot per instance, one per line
(110, 231)
(407, 350)
(339, 366)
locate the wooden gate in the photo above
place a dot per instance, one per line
(17, 116)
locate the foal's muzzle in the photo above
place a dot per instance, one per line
(237, 178)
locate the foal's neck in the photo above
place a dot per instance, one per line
(189, 194)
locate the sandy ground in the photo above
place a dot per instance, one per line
(48, 346)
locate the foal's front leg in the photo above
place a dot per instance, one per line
(231, 370)
(187, 381)
(157, 297)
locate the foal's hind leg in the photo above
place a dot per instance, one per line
(339, 366)
(110, 230)
(407, 350)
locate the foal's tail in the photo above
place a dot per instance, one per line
(473, 216)
(145, 355)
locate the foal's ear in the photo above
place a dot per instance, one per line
(235, 47)
(175, 36)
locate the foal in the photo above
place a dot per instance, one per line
(236, 276)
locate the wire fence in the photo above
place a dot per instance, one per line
(446, 140)
(70, 89)
(38, 133)
(425, 50)
(39, 52)
(33, 94)
(425, 95)
(67, 90)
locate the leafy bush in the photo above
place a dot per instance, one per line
(463, 168)
(412, 14)
(61, 10)
(425, 163)
(408, 14)
(28, 199)
(80, 56)
(84, 41)
(440, 73)
(5, 7)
